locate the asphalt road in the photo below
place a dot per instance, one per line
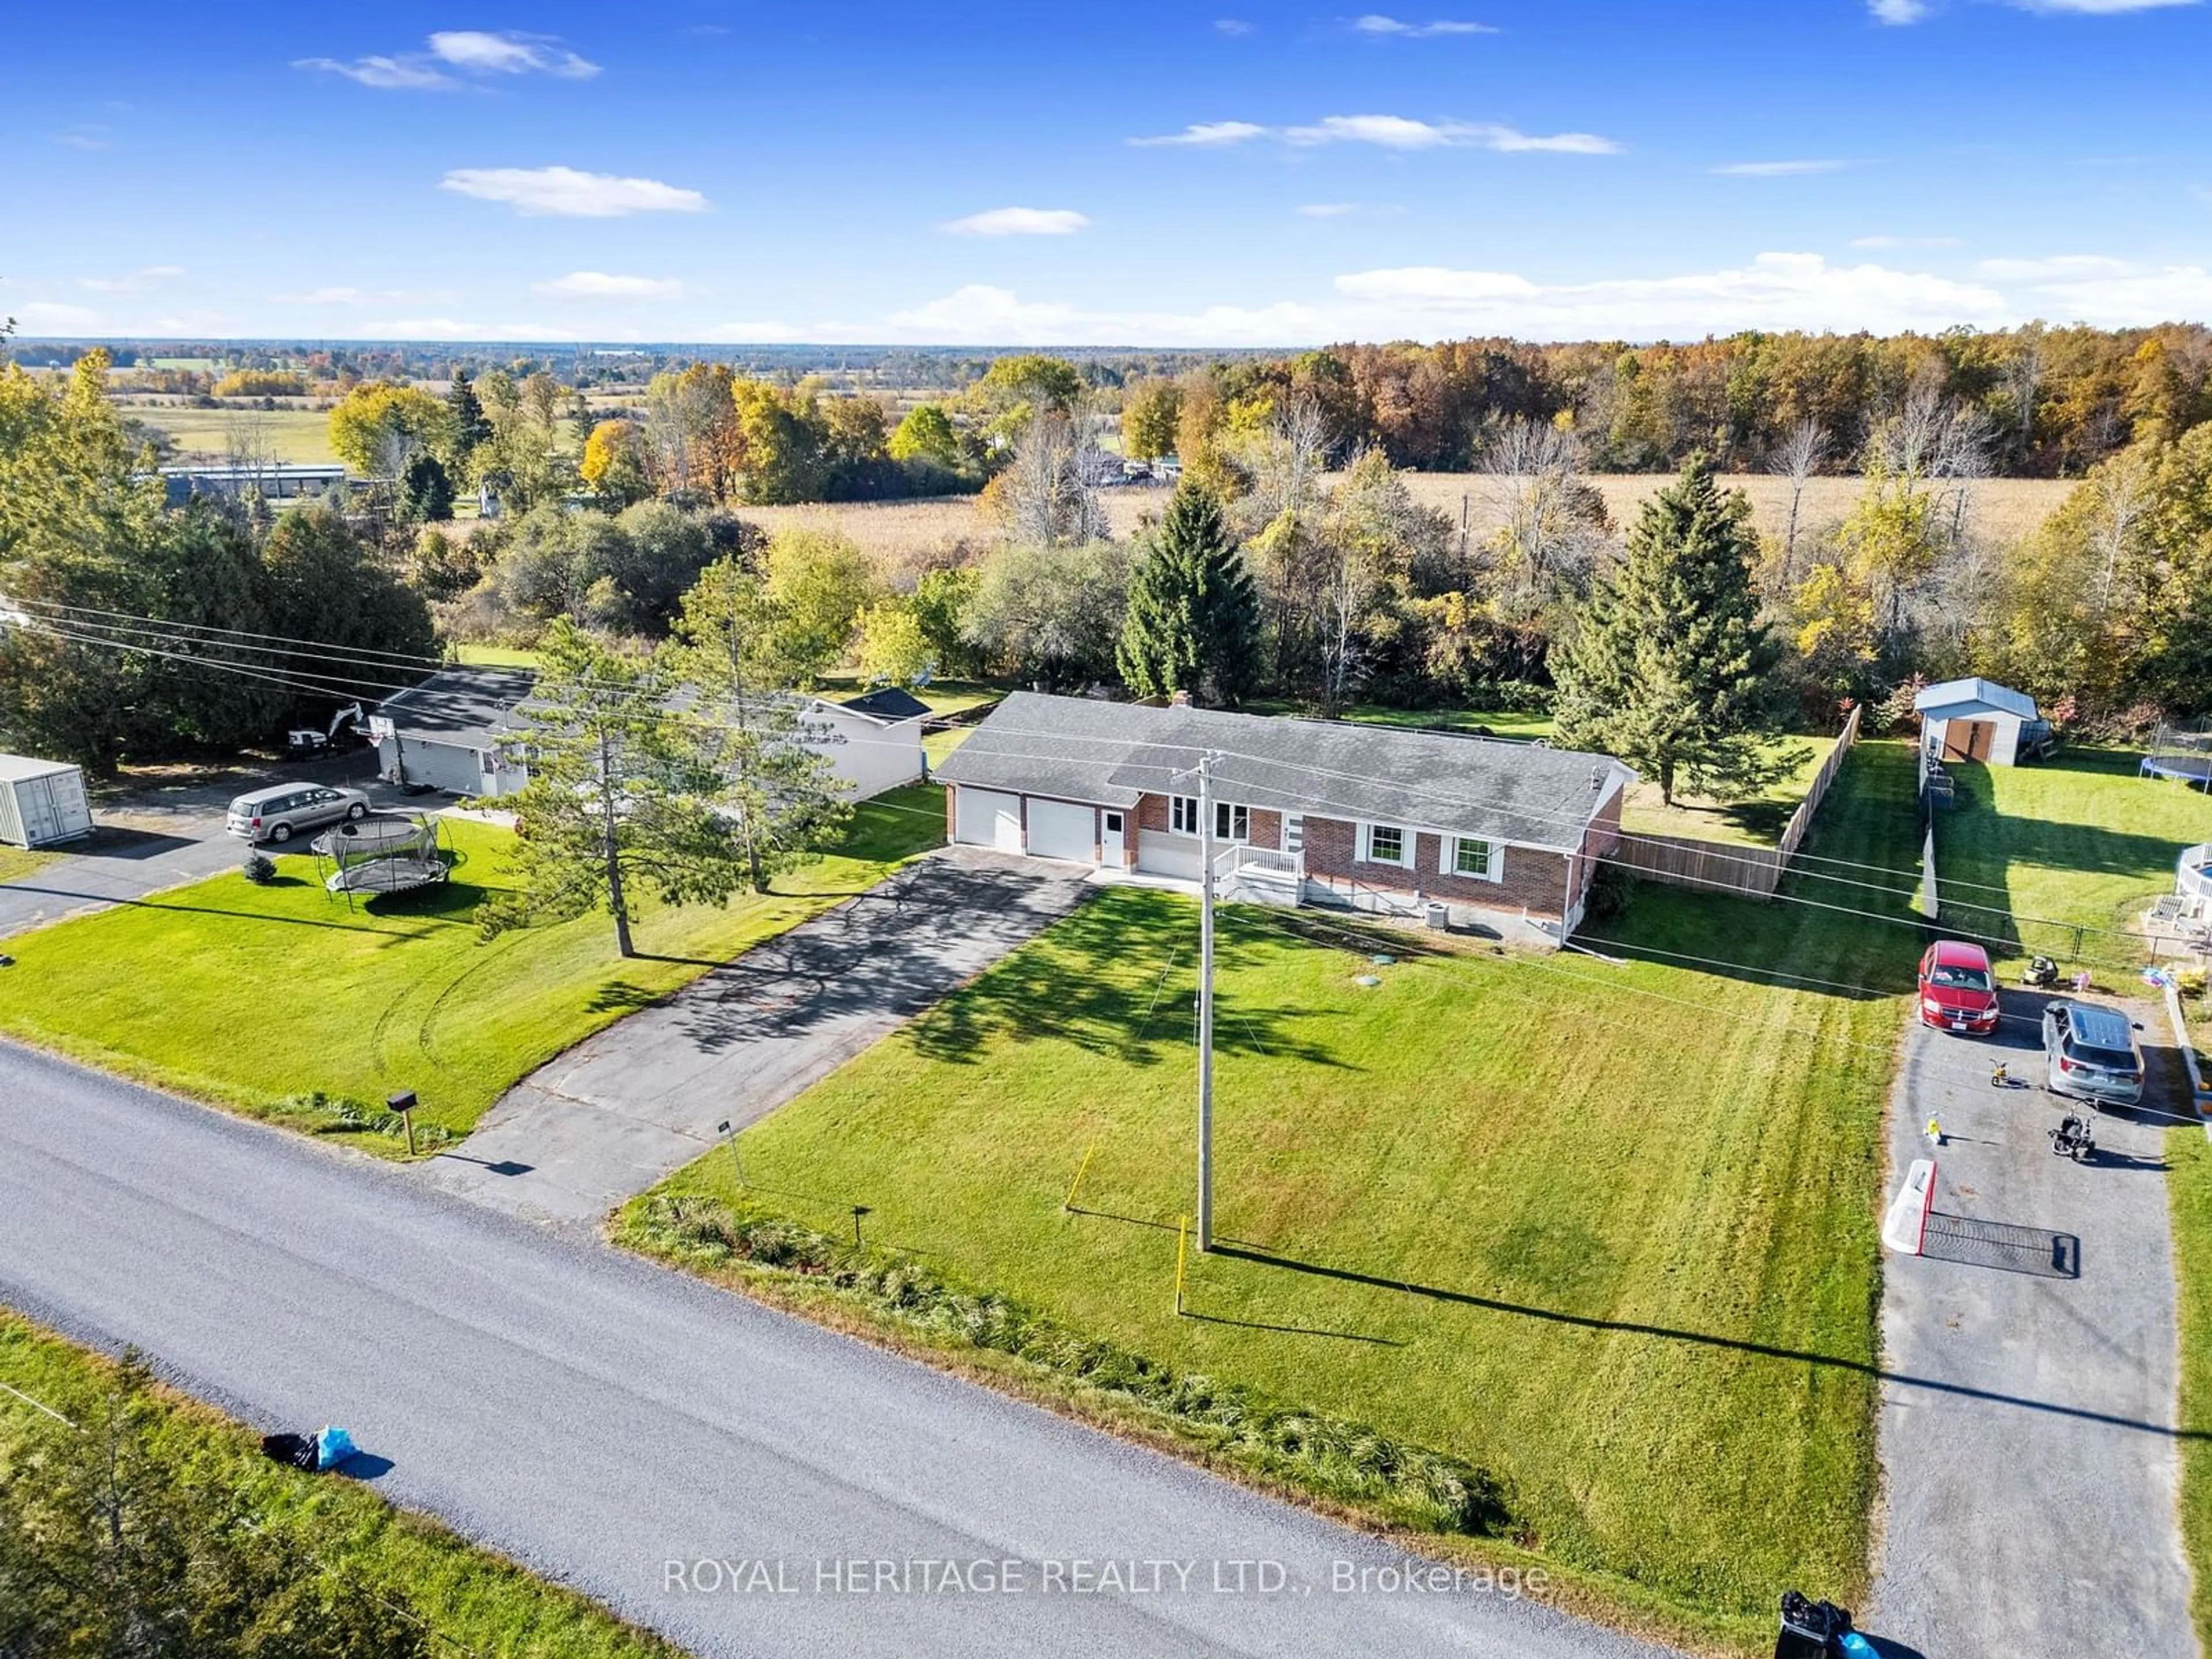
(599, 1418)
(626, 1106)
(2029, 1423)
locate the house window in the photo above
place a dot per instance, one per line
(1465, 856)
(1182, 814)
(1232, 823)
(1113, 825)
(1386, 844)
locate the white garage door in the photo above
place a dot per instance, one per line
(1059, 830)
(987, 818)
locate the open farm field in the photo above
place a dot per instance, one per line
(2003, 509)
(300, 435)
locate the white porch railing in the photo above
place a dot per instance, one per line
(1264, 862)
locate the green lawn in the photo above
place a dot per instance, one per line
(16, 863)
(2188, 1192)
(1608, 1230)
(473, 1601)
(2029, 853)
(247, 995)
(497, 656)
(300, 435)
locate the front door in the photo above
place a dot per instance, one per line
(1981, 736)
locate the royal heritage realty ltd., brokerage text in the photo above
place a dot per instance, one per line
(1085, 1576)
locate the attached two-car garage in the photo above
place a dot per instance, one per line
(1057, 828)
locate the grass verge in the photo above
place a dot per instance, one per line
(472, 1600)
(2189, 1193)
(1603, 1228)
(260, 998)
(16, 863)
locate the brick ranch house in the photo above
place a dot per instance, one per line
(1305, 812)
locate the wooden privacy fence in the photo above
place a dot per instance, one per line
(1755, 871)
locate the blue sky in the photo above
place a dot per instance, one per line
(1221, 174)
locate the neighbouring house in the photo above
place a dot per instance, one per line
(1976, 719)
(464, 730)
(1305, 812)
(276, 481)
(457, 731)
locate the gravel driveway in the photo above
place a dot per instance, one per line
(2028, 1413)
(622, 1108)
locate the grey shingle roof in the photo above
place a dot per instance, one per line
(1963, 695)
(889, 704)
(1110, 753)
(460, 705)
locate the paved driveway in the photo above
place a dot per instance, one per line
(619, 1110)
(596, 1417)
(164, 835)
(2027, 1421)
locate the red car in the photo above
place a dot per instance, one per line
(1957, 991)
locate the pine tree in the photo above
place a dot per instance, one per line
(471, 429)
(1672, 670)
(1192, 623)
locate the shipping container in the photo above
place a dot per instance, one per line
(42, 802)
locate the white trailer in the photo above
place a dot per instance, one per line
(42, 802)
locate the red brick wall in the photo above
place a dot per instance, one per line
(1153, 812)
(1531, 877)
(1266, 827)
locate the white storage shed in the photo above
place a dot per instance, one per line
(1974, 719)
(42, 802)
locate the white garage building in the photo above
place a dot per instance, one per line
(464, 731)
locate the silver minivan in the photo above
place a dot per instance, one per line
(2091, 1054)
(273, 813)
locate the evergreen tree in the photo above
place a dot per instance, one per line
(732, 648)
(1193, 619)
(471, 426)
(426, 493)
(1671, 669)
(623, 794)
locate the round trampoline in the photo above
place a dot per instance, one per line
(2179, 754)
(389, 853)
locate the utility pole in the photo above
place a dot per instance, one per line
(1206, 1003)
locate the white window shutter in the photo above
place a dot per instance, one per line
(1497, 860)
(1447, 854)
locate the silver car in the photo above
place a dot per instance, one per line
(274, 813)
(2091, 1054)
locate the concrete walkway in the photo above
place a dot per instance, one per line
(613, 1115)
(2028, 1417)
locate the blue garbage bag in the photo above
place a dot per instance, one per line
(1852, 1646)
(332, 1447)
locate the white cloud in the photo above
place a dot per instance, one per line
(1391, 132)
(599, 285)
(1774, 291)
(2059, 267)
(567, 193)
(2113, 294)
(1231, 26)
(1883, 241)
(1898, 11)
(1383, 28)
(1209, 134)
(1781, 169)
(1347, 210)
(137, 281)
(384, 74)
(48, 314)
(477, 53)
(483, 52)
(1402, 132)
(979, 314)
(1018, 222)
(85, 135)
